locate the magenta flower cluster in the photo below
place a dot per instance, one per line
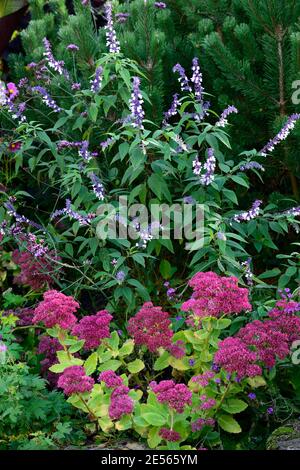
(176, 396)
(93, 329)
(111, 379)
(199, 424)
(203, 379)
(120, 403)
(216, 295)
(260, 343)
(33, 272)
(74, 380)
(151, 327)
(56, 309)
(170, 435)
(234, 356)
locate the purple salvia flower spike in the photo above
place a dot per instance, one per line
(137, 113)
(282, 135)
(111, 37)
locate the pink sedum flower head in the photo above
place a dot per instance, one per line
(215, 295)
(56, 309)
(177, 396)
(284, 318)
(267, 341)
(170, 435)
(120, 403)
(33, 272)
(111, 379)
(93, 329)
(151, 327)
(234, 356)
(74, 380)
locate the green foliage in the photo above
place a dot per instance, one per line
(31, 416)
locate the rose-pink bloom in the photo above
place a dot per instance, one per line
(74, 380)
(169, 435)
(151, 327)
(110, 378)
(93, 329)
(56, 309)
(214, 295)
(120, 403)
(234, 356)
(177, 396)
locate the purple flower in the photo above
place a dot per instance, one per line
(173, 109)
(197, 166)
(270, 411)
(76, 86)
(106, 143)
(111, 37)
(251, 166)
(223, 118)
(96, 82)
(120, 276)
(98, 187)
(250, 214)
(209, 167)
(252, 396)
(84, 151)
(122, 17)
(197, 79)
(191, 362)
(56, 65)
(23, 82)
(282, 135)
(72, 48)
(160, 5)
(82, 219)
(294, 212)
(171, 293)
(183, 80)
(3, 348)
(46, 98)
(221, 236)
(179, 318)
(188, 200)
(17, 111)
(135, 104)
